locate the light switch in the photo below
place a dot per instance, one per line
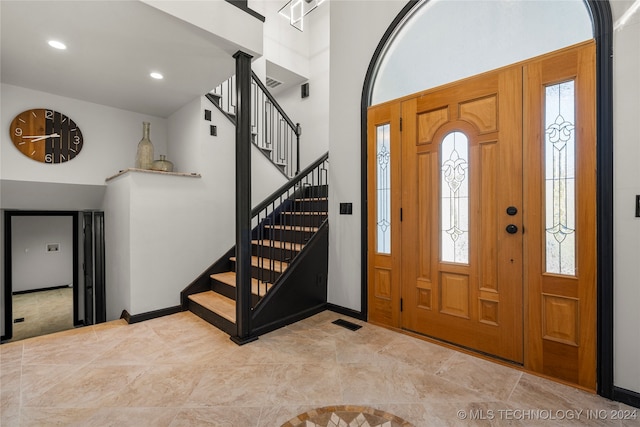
(346, 208)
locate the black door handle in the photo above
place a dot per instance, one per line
(512, 229)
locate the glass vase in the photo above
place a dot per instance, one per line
(162, 165)
(144, 155)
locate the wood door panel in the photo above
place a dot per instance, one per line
(562, 307)
(481, 112)
(429, 122)
(560, 319)
(425, 163)
(473, 308)
(383, 268)
(454, 295)
(488, 263)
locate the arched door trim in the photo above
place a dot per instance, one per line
(601, 17)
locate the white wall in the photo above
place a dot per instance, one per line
(355, 33)
(165, 230)
(34, 267)
(283, 44)
(313, 112)
(117, 225)
(305, 53)
(110, 137)
(515, 31)
(626, 65)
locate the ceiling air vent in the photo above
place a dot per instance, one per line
(272, 83)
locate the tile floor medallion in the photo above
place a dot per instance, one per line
(347, 416)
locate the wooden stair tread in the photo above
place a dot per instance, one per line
(311, 199)
(279, 244)
(216, 303)
(291, 228)
(271, 264)
(229, 278)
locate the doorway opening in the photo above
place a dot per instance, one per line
(50, 284)
(41, 273)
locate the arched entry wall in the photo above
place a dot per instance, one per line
(485, 35)
(377, 89)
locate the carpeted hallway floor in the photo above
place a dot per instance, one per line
(44, 312)
(180, 371)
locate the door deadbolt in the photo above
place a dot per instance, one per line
(512, 229)
(512, 210)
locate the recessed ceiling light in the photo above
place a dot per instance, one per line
(156, 76)
(57, 45)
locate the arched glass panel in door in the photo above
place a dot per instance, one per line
(454, 194)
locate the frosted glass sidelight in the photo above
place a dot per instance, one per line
(454, 194)
(383, 189)
(560, 187)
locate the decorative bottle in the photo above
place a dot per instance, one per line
(144, 156)
(162, 165)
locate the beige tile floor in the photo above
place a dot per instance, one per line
(44, 312)
(180, 371)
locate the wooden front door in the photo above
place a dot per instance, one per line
(485, 191)
(462, 250)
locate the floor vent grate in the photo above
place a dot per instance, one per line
(346, 324)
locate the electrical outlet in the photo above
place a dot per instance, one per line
(346, 208)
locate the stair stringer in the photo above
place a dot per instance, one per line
(300, 292)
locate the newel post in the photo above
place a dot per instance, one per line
(243, 198)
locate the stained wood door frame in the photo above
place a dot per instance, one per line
(600, 13)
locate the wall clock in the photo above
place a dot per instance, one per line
(46, 135)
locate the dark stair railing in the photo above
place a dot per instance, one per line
(286, 279)
(287, 220)
(273, 132)
(270, 237)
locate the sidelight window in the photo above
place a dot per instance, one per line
(560, 186)
(383, 189)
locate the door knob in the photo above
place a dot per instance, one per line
(512, 229)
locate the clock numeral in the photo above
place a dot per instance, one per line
(18, 132)
(63, 158)
(34, 152)
(47, 158)
(76, 140)
(48, 114)
(22, 120)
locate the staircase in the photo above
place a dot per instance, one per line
(272, 130)
(288, 264)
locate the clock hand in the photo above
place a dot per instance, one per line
(36, 138)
